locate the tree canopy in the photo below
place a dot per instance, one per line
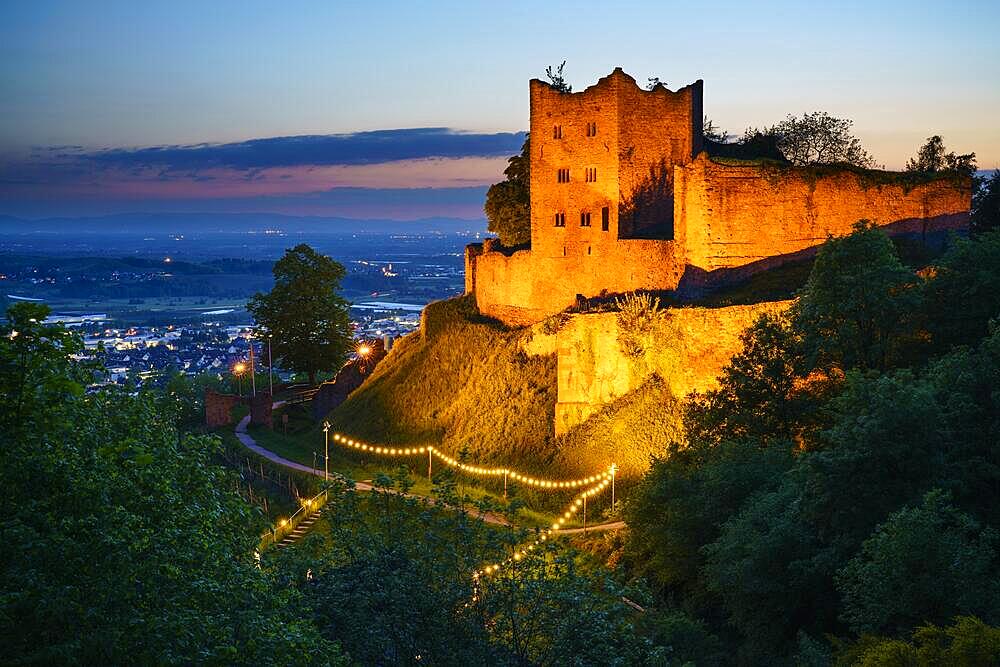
(986, 205)
(818, 138)
(843, 479)
(931, 158)
(307, 320)
(508, 203)
(123, 541)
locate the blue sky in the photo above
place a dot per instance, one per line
(83, 85)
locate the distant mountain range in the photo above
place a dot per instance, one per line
(231, 223)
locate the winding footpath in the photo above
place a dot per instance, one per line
(247, 441)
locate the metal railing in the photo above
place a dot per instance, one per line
(286, 526)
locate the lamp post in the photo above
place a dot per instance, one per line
(253, 370)
(363, 350)
(270, 368)
(238, 369)
(326, 459)
(614, 469)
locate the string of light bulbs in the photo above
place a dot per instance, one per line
(570, 511)
(598, 483)
(482, 471)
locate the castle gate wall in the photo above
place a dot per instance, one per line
(734, 215)
(688, 350)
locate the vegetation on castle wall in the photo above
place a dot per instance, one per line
(638, 316)
(465, 383)
(775, 171)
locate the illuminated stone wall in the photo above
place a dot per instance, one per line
(688, 350)
(729, 215)
(729, 220)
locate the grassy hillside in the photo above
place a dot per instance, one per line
(465, 383)
(629, 431)
(462, 383)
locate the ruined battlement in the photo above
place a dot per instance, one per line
(625, 198)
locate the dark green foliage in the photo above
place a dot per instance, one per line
(964, 294)
(986, 205)
(394, 580)
(653, 82)
(768, 568)
(556, 80)
(923, 564)
(36, 370)
(508, 202)
(758, 145)
(855, 305)
(795, 510)
(757, 397)
(122, 541)
(931, 158)
(689, 640)
(967, 642)
(709, 129)
(390, 578)
(547, 610)
(681, 504)
(307, 320)
(184, 396)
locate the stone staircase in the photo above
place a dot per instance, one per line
(302, 529)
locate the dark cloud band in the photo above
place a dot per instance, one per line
(358, 148)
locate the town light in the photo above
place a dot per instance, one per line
(239, 368)
(364, 349)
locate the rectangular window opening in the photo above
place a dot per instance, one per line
(585, 219)
(605, 219)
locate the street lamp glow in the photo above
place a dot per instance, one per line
(364, 350)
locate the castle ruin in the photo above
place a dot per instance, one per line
(627, 194)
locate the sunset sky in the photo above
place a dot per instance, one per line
(409, 110)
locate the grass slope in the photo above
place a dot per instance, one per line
(461, 383)
(628, 431)
(465, 383)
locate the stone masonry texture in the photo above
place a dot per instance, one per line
(591, 150)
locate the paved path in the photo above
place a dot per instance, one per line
(247, 440)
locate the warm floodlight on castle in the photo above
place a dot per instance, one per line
(627, 194)
(482, 471)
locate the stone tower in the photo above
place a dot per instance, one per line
(627, 195)
(591, 150)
